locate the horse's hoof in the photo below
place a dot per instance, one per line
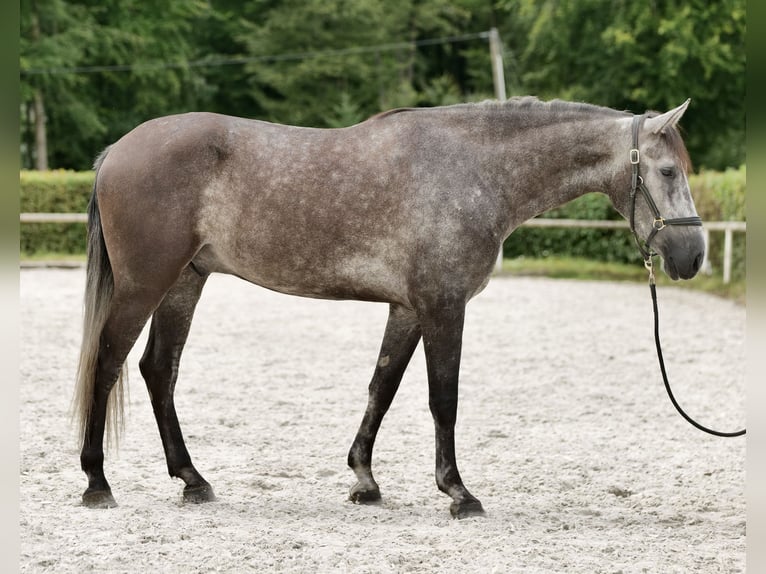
(98, 499)
(199, 494)
(362, 495)
(466, 509)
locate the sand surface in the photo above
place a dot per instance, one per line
(564, 432)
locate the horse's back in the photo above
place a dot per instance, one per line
(337, 213)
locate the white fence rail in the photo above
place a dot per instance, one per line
(728, 228)
(53, 217)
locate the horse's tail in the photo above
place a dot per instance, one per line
(99, 287)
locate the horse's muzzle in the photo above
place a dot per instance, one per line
(684, 261)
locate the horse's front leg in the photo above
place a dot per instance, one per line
(399, 342)
(442, 339)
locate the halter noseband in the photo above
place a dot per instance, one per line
(637, 184)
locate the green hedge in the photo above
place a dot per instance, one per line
(719, 196)
(613, 245)
(56, 191)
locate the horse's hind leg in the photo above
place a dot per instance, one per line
(127, 316)
(159, 367)
(399, 342)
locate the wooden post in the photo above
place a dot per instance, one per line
(496, 54)
(498, 79)
(41, 138)
(727, 244)
(707, 268)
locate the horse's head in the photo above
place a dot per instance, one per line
(661, 210)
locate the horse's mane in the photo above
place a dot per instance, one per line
(525, 104)
(555, 108)
(530, 107)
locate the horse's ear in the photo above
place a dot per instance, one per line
(659, 124)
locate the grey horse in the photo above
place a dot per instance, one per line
(409, 207)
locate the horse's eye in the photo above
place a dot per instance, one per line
(667, 171)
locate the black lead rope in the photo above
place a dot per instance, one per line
(637, 185)
(691, 421)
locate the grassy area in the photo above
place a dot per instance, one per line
(43, 256)
(573, 268)
(553, 267)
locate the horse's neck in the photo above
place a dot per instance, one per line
(540, 167)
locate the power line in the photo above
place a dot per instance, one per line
(213, 62)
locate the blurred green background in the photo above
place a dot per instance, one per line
(92, 70)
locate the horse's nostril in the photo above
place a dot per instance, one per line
(697, 263)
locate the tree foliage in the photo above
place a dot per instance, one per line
(644, 55)
(102, 67)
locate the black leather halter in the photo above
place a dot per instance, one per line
(637, 184)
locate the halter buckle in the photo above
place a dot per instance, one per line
(659, 223)
(634, 156)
